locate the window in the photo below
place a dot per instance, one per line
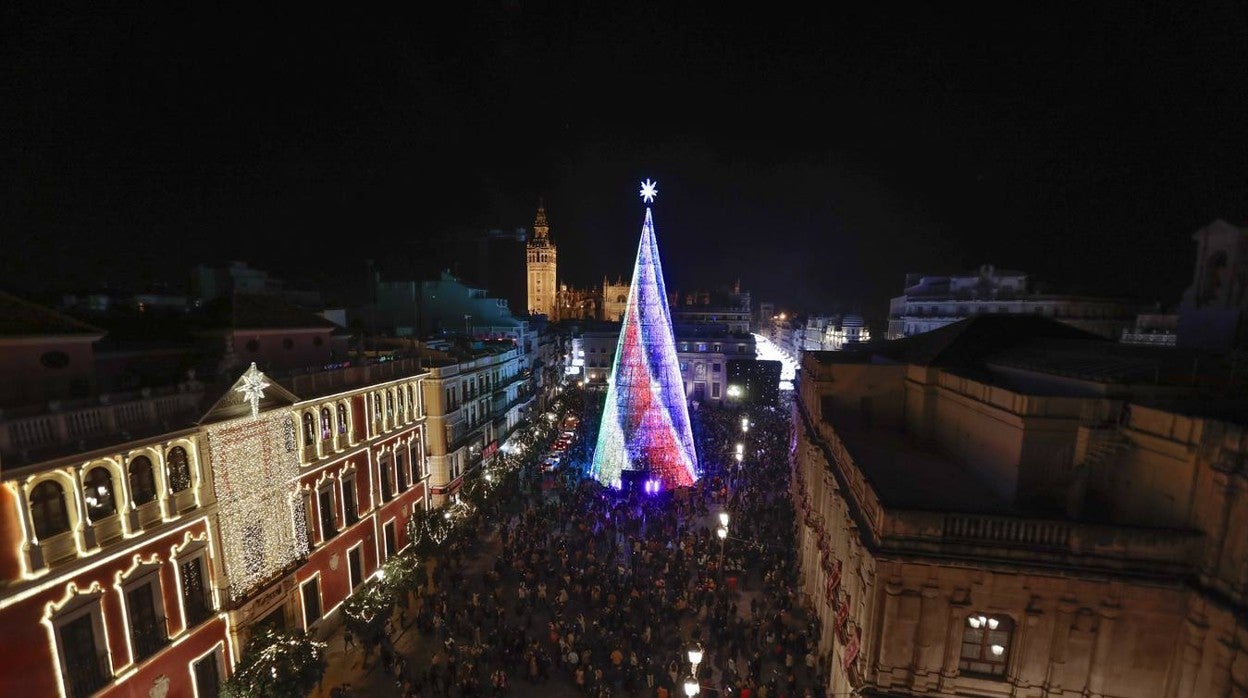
(179, 469)
(327, 426)
(325, 498)
(146, 618)
(309, 429)
(407, 389)
(986, 645)
(715, 367)
(354, 569)
(86, 663)
(311, 593)
(389, 405)
(387, 489)
(342, 420)
(349, 509)
(142, 480)
(391, 541)
(54, 359)
(196, 603)
(208, 674)
(714, 389)
(701, 346)
(400, 470)
(47, 507)
(97, 490)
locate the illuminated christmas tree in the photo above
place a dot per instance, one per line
(645, 423)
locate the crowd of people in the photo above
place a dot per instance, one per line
(609, 591)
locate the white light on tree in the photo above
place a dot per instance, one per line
(255, 467)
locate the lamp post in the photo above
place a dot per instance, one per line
(723, 536)
(695, 658)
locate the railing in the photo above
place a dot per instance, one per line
(1018, 539)
(322, 382)
(86, 675)
(198, 610)
(147, 639)
(82, 422)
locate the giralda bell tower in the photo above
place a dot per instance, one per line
(540, 255)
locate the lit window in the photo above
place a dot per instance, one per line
(47, 508)
(97, 490)
(142, 480)
(309, 429)
(179, 469)
(145, 616)
(80, 643)
(342, 420)
(986, 645)
(327, 427)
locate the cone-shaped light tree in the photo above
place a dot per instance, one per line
(645, 422)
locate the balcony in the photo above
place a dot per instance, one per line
(198, 610)
(147, 639)
(86, 675)
(105, 420)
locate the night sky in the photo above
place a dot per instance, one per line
(817, 157)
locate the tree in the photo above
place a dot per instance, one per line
(277, 663)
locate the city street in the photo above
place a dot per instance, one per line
(591, 593)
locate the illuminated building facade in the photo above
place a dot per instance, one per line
(645, 425)
(142, 538)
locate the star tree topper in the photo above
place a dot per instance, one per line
(253, 388)
(649, 190)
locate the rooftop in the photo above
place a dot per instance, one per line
(21, 318)
(908, 477)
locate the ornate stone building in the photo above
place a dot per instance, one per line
(1007, 507)
(541, 260)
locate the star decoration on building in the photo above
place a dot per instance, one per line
(253, 388)
(649, 190)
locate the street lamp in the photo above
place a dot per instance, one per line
(723, 519)
(745, 425)
(723, 536)
(691, 687)
(695, 658)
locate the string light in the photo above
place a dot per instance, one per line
(646, 418)
(255, 467)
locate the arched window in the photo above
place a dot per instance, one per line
(410, 405)
(309, 429)
(142, 480)
(97, 490)
(389, 404)
(47, 508)
(342, 420)
(986, 645)
(178, 467)
(402, 408)
(327, 424)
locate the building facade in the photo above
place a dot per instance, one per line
(702, 351)
(146, 535)
(932, 301)
(1019, 520)
(472, 405)
(541, 259)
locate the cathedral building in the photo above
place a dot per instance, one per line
(540, 255)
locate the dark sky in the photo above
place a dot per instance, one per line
(819, 157)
